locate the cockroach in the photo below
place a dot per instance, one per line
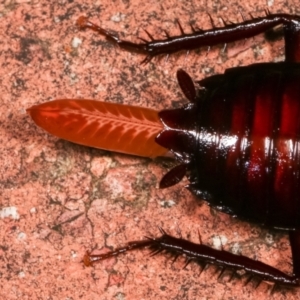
(237, 140)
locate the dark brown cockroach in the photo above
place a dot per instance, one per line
(237, 140)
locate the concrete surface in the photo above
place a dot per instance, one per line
(58, 200)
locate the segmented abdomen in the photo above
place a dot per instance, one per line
(247, 159)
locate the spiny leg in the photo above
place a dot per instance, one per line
(205, 255)
(216, 35)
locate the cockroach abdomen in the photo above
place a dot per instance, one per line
(244, 148)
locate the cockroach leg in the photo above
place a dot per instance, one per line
(200, 38)
(90, 259)
(201, 254)
(84, 23)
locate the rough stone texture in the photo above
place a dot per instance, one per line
(58, 200)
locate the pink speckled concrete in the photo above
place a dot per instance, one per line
(59, 200)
